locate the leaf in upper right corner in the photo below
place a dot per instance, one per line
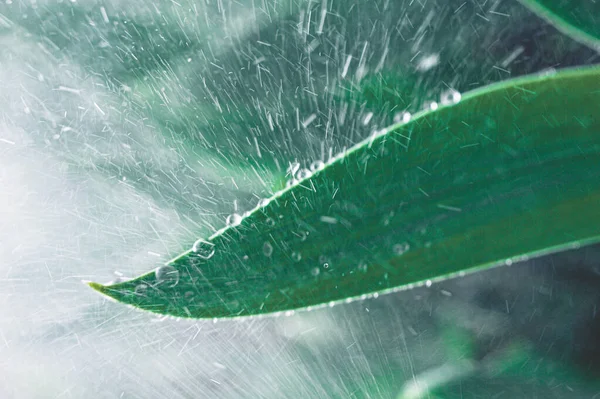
(579, 19)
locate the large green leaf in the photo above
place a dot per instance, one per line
(511, 171)
(577, 18)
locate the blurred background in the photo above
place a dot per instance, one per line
(130, 128)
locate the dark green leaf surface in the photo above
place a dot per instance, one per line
(577, 18)
(511, 171)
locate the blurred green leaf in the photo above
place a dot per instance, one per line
(577, 18)
(509, 172)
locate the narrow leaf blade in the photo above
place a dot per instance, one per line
(509, 172)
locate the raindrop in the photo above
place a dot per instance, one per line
(304, 235)
(203, 249)
(508, 262)
(547, 72)
(233, 220)
(368, 118)
(290, 182)
(388, 218)
(167, 275)
(362, 266)
(379, 132)
(326, 265)
(315, 272)
(401, 248)
(270, 222)
(141, 289)
(267, 249)
(432, 106)
(317, 165)
(303, 174)
(403, 117)
(263, 202)
(450, 97)
(428, 283)
(293, 168)
(427, 62)
(296, 256)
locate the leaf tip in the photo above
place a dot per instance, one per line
(96, 286)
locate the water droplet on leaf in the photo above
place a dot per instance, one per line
(296, 256)
(233, 220)
(293, 168)
(303, 174)
(304, 235)
(267, 249)
(263, 202)
(141, 289)
(317, 165)
(403, 117)
(432, 106)
(401, 248)
(167, 275)
(362, 266)
(450, 97)
(203, 249)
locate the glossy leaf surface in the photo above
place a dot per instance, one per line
(510, 171)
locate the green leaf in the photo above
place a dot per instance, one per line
(509, 172)
(579, 19)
